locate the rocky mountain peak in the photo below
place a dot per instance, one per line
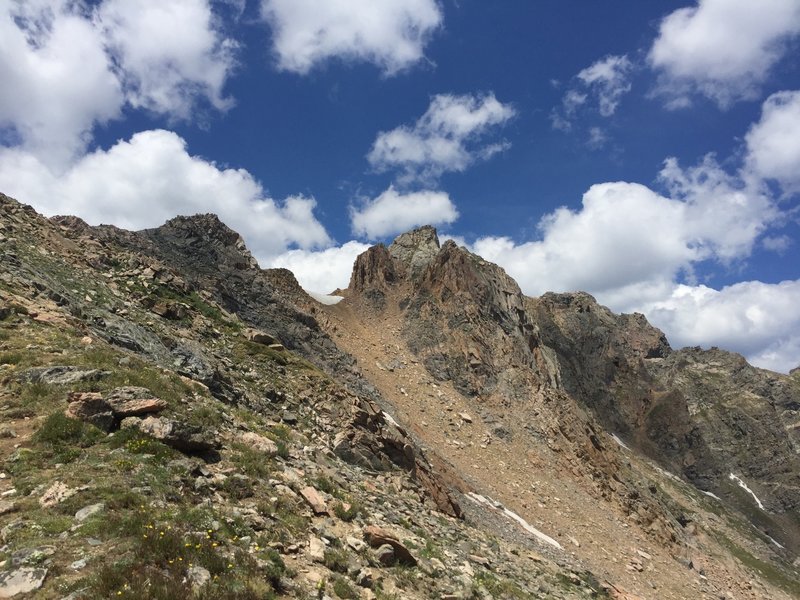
(416, 249)
(205, 235)
(429, 419)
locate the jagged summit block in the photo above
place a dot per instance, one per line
(409, 254)
(416, 249)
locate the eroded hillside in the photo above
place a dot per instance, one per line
(177, 422)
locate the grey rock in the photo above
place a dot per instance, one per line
(89, 511)
(21, 581)
(61, 375)
(416, 249)
(198, 576)
(31, 557)
(178, 435)
(79, 564)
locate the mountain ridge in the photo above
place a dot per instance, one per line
(506, 425)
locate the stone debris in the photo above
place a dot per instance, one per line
(56, 494)
(259, 443)
(314, 500)
(89, 511)
(61, 375)
(179, 435)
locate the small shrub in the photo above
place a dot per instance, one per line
(238, 487)
(347, 513)
(336, 560)
(275, 569)
(251, 462)
(136, 442)
(343, 589)
(10, 358)
(60, 430)
(283, 449)
(205, 416)
(325, 484)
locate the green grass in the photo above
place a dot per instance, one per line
(136, 442)
(11, 358)
(336, 560)
(344, 589)
(62, 439)
(347, 514)
(251, 462)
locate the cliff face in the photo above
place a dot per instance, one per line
(490, 444)
(702, 414)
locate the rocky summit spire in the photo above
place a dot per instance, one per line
(416, 249)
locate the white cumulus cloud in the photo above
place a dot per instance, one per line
(609, 80)
(170, 53)
(628, 243)
(600, 88)
(321, 271)
(773, 144)
(630, 246)
(151, 178)
(394, 212)
(446, 138)
(392, 34)
(759, 320)
(67, 66)
(722, 49)
(57, 78)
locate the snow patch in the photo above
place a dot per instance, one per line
(711, 495)
(771, 539)
(494, 505)
(668, 475)
(743, 485)
(619, 441)
(326, 299)
(388, 418)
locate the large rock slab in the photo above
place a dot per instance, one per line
(21, 581)
(105, 411)
(178, 435)
(61, 375)
(130, 401)
(377, 537)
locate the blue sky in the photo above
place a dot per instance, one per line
(648, 153)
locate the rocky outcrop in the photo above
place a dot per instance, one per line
(704, 415)
(416, 249)
(105, 411)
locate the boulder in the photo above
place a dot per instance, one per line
(260, 337)
(131, 401)
(197, 576)
(56, 494)
(105, 411)
(173, 311)
(314, 500)
(21, 581)
(259, 443)
(89, 511)
(178, 435)
(7, 506)
(91, 408)
(378, 537)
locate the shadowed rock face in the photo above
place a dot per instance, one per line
(704, 414)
